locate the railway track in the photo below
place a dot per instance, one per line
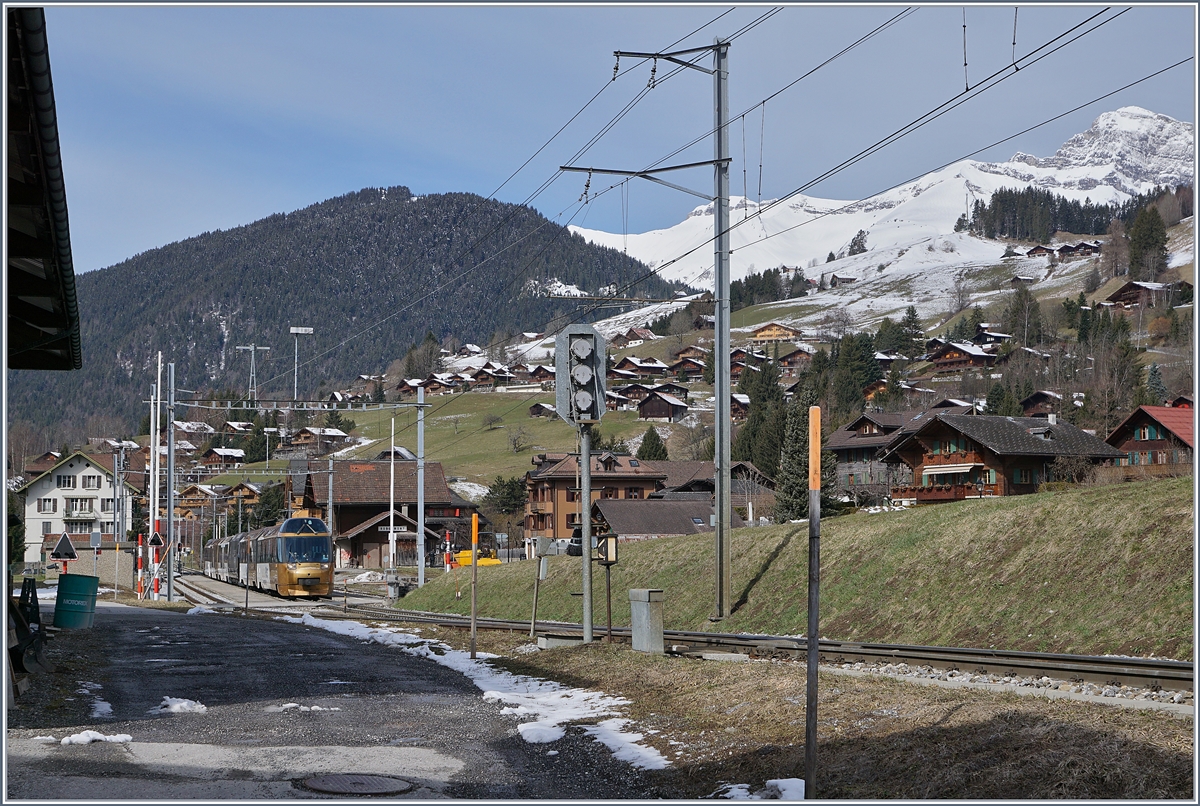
(1152, 673)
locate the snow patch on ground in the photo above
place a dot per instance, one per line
(775, 789)
(177, 705)
(350, 449)
(101, 709)
(89, 736)
(288, 706)
(547, 706)
(469, 490)
(199, 610)
(366, 576)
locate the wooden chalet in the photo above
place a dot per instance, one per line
(1136, 294)
(1022, 279)
(704, 321)
(1066, 251)
(836, 280)
(1155, 435)
(955, 356)
(1039, 250)
(858, 446)
(663, 407)
(1181, 402)
(245, 493)
(739, 406)
(220, 458)
(240, 428)
(635, 391)
(440, 383)
(795, 362)
(773, 332)
(193, 428)
(753, 357)
(621, 375)
(1042, 403)
(642, 367)
(541, 373)
(690, 368)
(407, 388)
(885, 360)
(543, 410)
(614, 401)
(319, 437)
(694, 351)
(955, 456)
(670, 388)
(195, 501)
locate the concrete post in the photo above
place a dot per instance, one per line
(646, 610)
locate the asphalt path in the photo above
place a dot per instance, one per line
(360, 708)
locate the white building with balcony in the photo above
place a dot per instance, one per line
(75, 496)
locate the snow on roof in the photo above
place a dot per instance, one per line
(231, 453)
(743, 399)
(325, 432)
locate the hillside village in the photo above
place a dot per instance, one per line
(1020, 396)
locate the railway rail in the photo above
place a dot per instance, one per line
(1154, 673)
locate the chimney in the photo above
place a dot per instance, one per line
(1053, 419)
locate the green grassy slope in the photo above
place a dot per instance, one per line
(1091, 570)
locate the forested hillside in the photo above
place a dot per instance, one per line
(372, 272)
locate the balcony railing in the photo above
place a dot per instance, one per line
(937, 493)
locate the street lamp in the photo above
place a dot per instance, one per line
(297, 332)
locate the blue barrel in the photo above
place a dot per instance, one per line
(75, 606)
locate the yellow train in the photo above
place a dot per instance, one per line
(293, 559)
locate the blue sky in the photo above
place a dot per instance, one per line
(179, 120)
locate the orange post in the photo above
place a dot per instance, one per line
(814, 601)
(474, 573)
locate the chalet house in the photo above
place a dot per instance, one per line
(858, 445)
(543, 410)
(663, 407)
(345, 396)
(738, 367)
(1039, 250)
(245, 493)
(955, 356)
(492, 376)
(1066, 252)
(74, 496)
(1042, 404)
(407, 388)
(704, 322)
(752, 357)
(635, 391)
(319, 438)
(954, 456)
(836, 280)
(541, 374)
(739, 406)
(552, 501)
(885, 360)
(1181, 402)
(520, 371)
(1136, 294)
(773, 332)
(675, 389)
(1022, 279)
(361, 493)
(40, 464)
(614, 401)
(632, 520)
(200, 501)
(794, 362)
(984, 335)
(873, 388)
(367, 544)
(222, 458)
(1085, 249)
(642, 367)
(694, 351)
(440, 383)
(468, 350)
(690, 368)
(1155, 435)
(620, 375)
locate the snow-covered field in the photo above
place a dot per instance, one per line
(914, 256)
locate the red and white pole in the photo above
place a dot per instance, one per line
(141, 590)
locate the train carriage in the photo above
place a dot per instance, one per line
(292, 559)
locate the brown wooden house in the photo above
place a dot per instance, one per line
(690, 368)
(552, 503)
(956, 356)
(661, 406)
(1042, 403)
(960, 456)
(1155, 435)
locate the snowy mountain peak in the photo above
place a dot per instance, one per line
(1130, 149)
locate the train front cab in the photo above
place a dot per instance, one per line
(303, 559)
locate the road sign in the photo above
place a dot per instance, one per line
(156, 539)
(95, 540)
(64, 550)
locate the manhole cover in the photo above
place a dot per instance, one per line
(357, 784)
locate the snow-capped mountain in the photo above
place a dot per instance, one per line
(1126, 151)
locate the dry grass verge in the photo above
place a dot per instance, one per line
(878, 738)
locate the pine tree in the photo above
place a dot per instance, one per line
(652, 448)
(858, 244)
(832, 257)
(913, 332)
(1155, 386)
(1147, 245)
(710, 367)
(768, 441)
(791, 482)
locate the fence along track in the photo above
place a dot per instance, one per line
(1172, 675)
